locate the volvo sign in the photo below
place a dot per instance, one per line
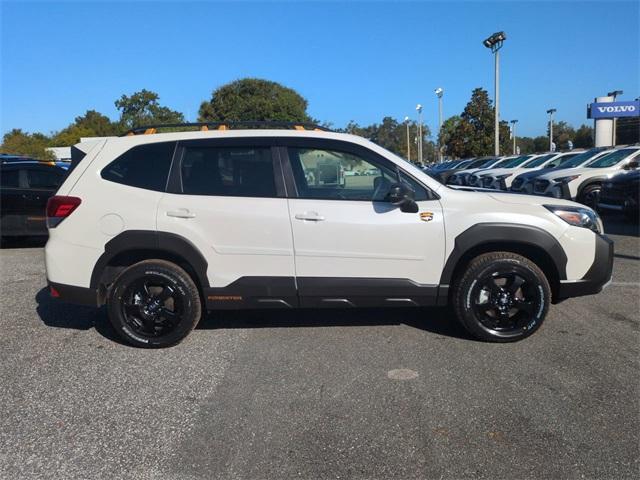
(613, 110)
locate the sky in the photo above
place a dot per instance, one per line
(354, 60)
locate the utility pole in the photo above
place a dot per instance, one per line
(494, 42)
(551, 111)
(439, 92)
(419, 109)
(406, 121)
(614, 94)
(513, 134)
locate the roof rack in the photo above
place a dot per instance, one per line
(205, 126)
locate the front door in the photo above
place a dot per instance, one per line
(352, 247)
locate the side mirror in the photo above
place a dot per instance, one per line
(400, 195)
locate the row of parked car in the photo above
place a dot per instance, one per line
(605, 178)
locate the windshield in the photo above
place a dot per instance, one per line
(463, 164)
(514, 162)
(611, 159)
(561, 160)
(536, 162)
(581, 158)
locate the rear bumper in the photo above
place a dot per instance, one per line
(596, 278)
(73, 294)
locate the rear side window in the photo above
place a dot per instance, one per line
(44, 179)
(228, 171)
(10, 178)
(145, 166)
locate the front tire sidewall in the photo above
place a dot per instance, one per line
(175, 277)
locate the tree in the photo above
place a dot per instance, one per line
(23, 143)
(562, 134)
(142, 108)
(254, 99)
(583, 137)
(447, 137)
(541, 144)
(91, 124)
(473, 135)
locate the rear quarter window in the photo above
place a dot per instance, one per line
(144, 166)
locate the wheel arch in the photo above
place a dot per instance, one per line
(531, 242)
(133, 246)
(591, 181)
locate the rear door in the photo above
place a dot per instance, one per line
(227, 197)
(353, 248)
(12, 220)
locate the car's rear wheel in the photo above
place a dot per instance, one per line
(154, 304)
(501, 297)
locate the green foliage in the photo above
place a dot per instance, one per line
(23, 143)
(472, 135)
(254, 99)
(392, 135)
(142, 108)
(541, 144)
(583, 137)
(91, 124)
(562, 133)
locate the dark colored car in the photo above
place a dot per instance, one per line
(25, 188)
(622, 193)
(442, 175)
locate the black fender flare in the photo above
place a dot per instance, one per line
(169, 243)
(510, 233)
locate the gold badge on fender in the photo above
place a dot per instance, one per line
(426, 216)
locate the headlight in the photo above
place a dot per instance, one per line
(577, 216)
(566, 179)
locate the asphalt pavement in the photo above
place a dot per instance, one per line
(320, 394)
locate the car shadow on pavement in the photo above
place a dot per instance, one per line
(440, 321)
(57, 314)
(23, 242)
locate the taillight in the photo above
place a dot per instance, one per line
(59, 208)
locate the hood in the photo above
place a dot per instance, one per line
(528, 174)
(627, 176)
(519, 199)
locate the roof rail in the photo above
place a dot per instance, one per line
(247, 125)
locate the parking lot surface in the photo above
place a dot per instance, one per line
(320, 394)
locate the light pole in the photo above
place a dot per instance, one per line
(439, 92)
(419, 110)
(614, 94)
(551, 111)
(406, 121)
(513, 134)
(494, 42)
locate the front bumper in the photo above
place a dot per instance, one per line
(596, 278)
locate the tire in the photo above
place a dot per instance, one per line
(590, 195)
(154, 304)
(501, 297)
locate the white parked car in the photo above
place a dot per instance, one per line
(461, 177)
(583, 184)
(501, 178)
(162, 227)
(523, 183)
(475, 179)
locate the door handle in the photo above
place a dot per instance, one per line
(312, 216)
(181, 213)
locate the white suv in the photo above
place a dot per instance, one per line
(162, 227)
(583, 184)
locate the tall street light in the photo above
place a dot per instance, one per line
(494, 42)
(614, 94)
(551, 111)
(419, 110)
(439, 92)
(513, 134)
(406, 121)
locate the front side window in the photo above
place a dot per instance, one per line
(145, 166)
(581, 158)
(228, 171)
(339, 175)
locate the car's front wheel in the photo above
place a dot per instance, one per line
(153, 304)
(501, 297)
